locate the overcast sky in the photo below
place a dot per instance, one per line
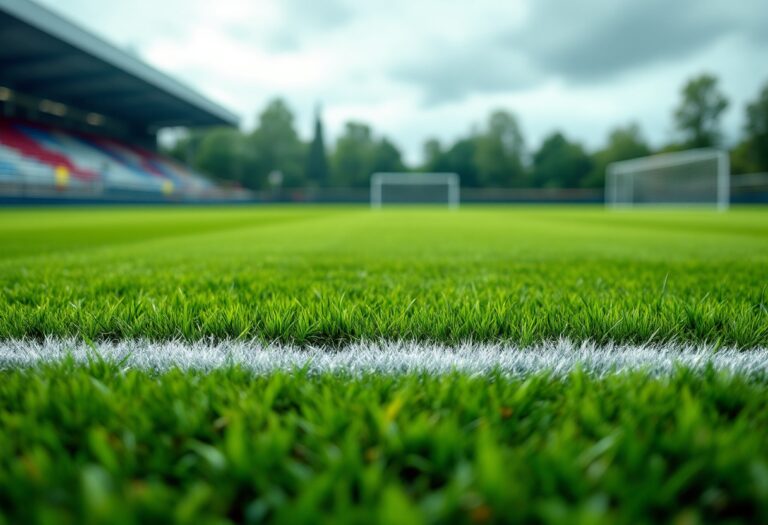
(434, 68)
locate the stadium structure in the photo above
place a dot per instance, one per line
(79, 117)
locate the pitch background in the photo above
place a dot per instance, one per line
(334, 275)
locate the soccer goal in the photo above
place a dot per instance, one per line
(700, 176)
(414, 188)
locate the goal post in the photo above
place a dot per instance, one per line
(698, 176)
(415, 188)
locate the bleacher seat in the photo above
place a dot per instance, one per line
(37, 154)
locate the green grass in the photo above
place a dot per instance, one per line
(96, 444)
(328, 275)
(101, 444)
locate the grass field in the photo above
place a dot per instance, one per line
(333, 275)
(101, 445)
(108, 442)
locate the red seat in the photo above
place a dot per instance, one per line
(27, 146)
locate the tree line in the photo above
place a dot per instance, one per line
(493, 155)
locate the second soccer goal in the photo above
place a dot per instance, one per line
(414, 188)
(700, 176)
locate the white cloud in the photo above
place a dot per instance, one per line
(436, 67)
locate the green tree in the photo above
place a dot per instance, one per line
(317, 157)
(386, 157)
(756, 131)
(624, 143)
(499, 152)
(741, 158)
(698, 115)
(220, 155)
(434, 156)
(353, 159)
(186, 147)
(458, 158)
(277, 147)
(560, 164)
(461, 159)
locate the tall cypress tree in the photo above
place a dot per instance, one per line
(317, 160)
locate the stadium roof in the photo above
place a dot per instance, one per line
(45, 55)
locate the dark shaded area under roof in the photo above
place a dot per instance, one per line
(45, 55)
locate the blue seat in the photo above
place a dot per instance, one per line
(8, 169)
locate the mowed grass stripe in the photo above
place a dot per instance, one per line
(30, 232)
(335, 275)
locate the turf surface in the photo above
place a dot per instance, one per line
(330, 275)
(107, 442)
(98, 444)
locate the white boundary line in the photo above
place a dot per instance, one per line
(392, 358)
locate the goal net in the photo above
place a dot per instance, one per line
(414, 188)
(700, 176)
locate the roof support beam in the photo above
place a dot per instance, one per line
(33, 59)
(96, 82)
(24, 71)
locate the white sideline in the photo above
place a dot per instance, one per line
(558, 357)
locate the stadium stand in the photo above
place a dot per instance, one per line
(32, 153)
(79, 117)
